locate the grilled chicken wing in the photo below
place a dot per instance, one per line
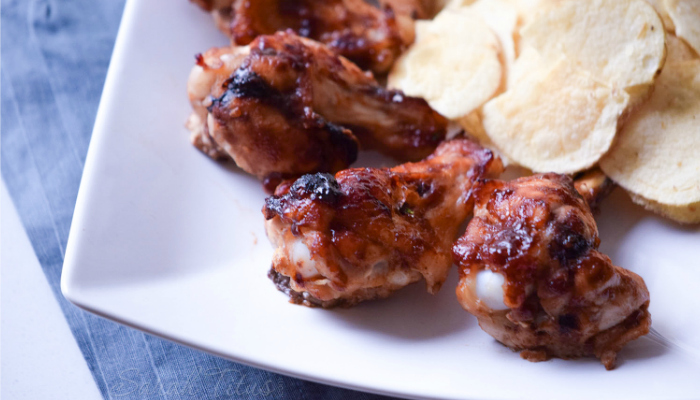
(285, 106)
(209, 76)
(531, 273)
(369, 36)
(594, 186)
(367, 232)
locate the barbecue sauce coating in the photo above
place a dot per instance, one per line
(287, 106)
(369, 36)
(565, 298)
(367, 232)
(265, 116)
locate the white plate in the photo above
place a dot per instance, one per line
(167, 241)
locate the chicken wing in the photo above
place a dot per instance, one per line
(531, 273)
(369, 36)
(285, 106)
(208, 76)
(367, 232)
(594, 186)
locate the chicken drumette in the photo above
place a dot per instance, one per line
(531, 273)
(594, 186)
(285, 106)
(367, 232)
(369, 36)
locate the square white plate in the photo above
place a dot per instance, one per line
(168, 241)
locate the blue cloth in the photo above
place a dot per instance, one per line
(54, 60)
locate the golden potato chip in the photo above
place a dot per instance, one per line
(528, 61)
(686, 16)
(454, 4)
(688, 214)
(454, 63)
(502, 18)
(528, 9)
(473, 126)
(524, 9)
(556, 120)
(677, 50)
(656, 155)
(660, 8)
(620, 42)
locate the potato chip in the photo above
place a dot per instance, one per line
(502, 18)
(677, 50)
(454, 63)
(686, 16)
(455, 4)
(559, 119)
(474, 127)
(620, 42)
(660, 8)
(688, 214)
(524, 10)
(657, 153)
(529, 60)
(528, 9)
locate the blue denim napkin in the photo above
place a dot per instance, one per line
(54, 60)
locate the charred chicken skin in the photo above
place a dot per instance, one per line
(269, 134)
(286, 106)
(367, 232)
(369, 36)
(531, 273)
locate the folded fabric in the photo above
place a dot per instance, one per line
(54, 60)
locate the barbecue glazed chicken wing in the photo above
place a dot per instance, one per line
(285, 106)
(531, 273)
(210, 76)
(256, 108)
(369, 36)
(594, 186)
(367, 232)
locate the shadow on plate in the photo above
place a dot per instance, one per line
(644, 348)
(412, 313)
(619, 215)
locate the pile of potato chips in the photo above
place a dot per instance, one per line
(565, 85)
